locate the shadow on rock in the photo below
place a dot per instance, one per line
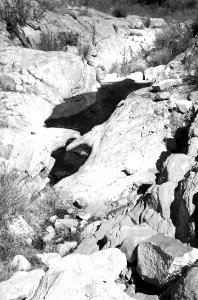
(107, 98)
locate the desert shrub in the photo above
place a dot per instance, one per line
(57, 41)
(119, 12)
(15, 12)
(159, 57)
(174, 40)
(135, 65)
(84, 50)
(18, 197)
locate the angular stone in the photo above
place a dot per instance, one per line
(186, 288)
(166, 193)
(166, 84)
(135, 236)
(157, 23)
(66, 247)
(65, 223)
(162, 259)
(176, 166)
(162, 96)
(139, 149)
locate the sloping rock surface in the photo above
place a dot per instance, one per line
(33, 83)
(82, 277)
(125, 150)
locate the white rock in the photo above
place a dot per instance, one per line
(53, 219)
(66, 247)
(183, 105)
(65, 223)
(20, 263)
(20, 285)
(135, 76)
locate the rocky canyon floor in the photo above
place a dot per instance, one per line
(98, 156)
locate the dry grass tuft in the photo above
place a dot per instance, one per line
(19, 197)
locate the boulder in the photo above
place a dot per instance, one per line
(166, 84)
(176, 166)
(183, 105)
(155, 73)
(65, 223)
(20, 285)
(135, 236)
(162, 96)
(20, 263)
(66, 247)
(186, 288)
(166, 193)
(82, 277)
(162, 259)
(139, 149)
(54, 76)
(157, 23)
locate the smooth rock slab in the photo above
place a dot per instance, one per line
(84, 277)
(166, 84)
(162, 259)
(131, 140)
(20, 285)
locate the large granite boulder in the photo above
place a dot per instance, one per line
(83, 277)
(123, 150)
(162, 259)
(186, 288)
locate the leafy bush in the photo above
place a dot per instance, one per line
(57, 41)
(174, 40)
(84, 50)
(15, 12)
(18, 197)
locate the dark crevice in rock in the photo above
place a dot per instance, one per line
(67, 163)
(101, 243)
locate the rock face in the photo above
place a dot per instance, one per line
(20, 285)
(162, 259)
(106, 174)
(186, 287)
(113, 40)
(53, 76)
(82, 277)
(33, 83)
